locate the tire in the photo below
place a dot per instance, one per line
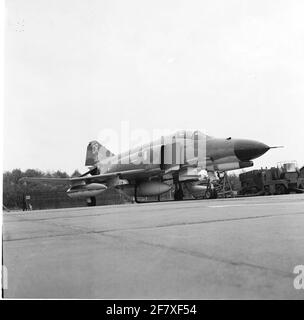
(175, 195)
(208, 194)
(267, 191)
(178, 195)
(92, 203)
(254, 190)
(280, 189)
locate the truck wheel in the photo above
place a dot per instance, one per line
(280, 189)
(267, 190)
(254, 190)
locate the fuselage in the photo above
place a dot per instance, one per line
(185, 148)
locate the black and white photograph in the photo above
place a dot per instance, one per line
(153, 150)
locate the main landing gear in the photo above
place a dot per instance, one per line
(91, 202)
(135, 195)
(178, 193)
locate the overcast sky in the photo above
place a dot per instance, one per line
(74, 68)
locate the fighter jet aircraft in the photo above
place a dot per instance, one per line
(148, 169)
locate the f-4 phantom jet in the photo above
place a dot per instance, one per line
(154, 168)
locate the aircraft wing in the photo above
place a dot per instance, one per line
(96, 178)
(45, 179)
(128, 174)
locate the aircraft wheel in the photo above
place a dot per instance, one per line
(91, 202)
(208, 194)
(178, 194)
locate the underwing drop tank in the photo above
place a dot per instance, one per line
(145, 189)
(86, 191)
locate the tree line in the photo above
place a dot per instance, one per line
(14, 190)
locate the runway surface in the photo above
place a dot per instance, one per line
(230, 248)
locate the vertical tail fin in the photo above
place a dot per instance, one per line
(96, 152)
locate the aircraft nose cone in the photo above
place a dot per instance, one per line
(247, 150)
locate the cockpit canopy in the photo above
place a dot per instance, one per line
(190, 134)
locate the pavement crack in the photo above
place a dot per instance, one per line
(202, 255)
(83, 230)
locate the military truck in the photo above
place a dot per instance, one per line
(284, 178)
